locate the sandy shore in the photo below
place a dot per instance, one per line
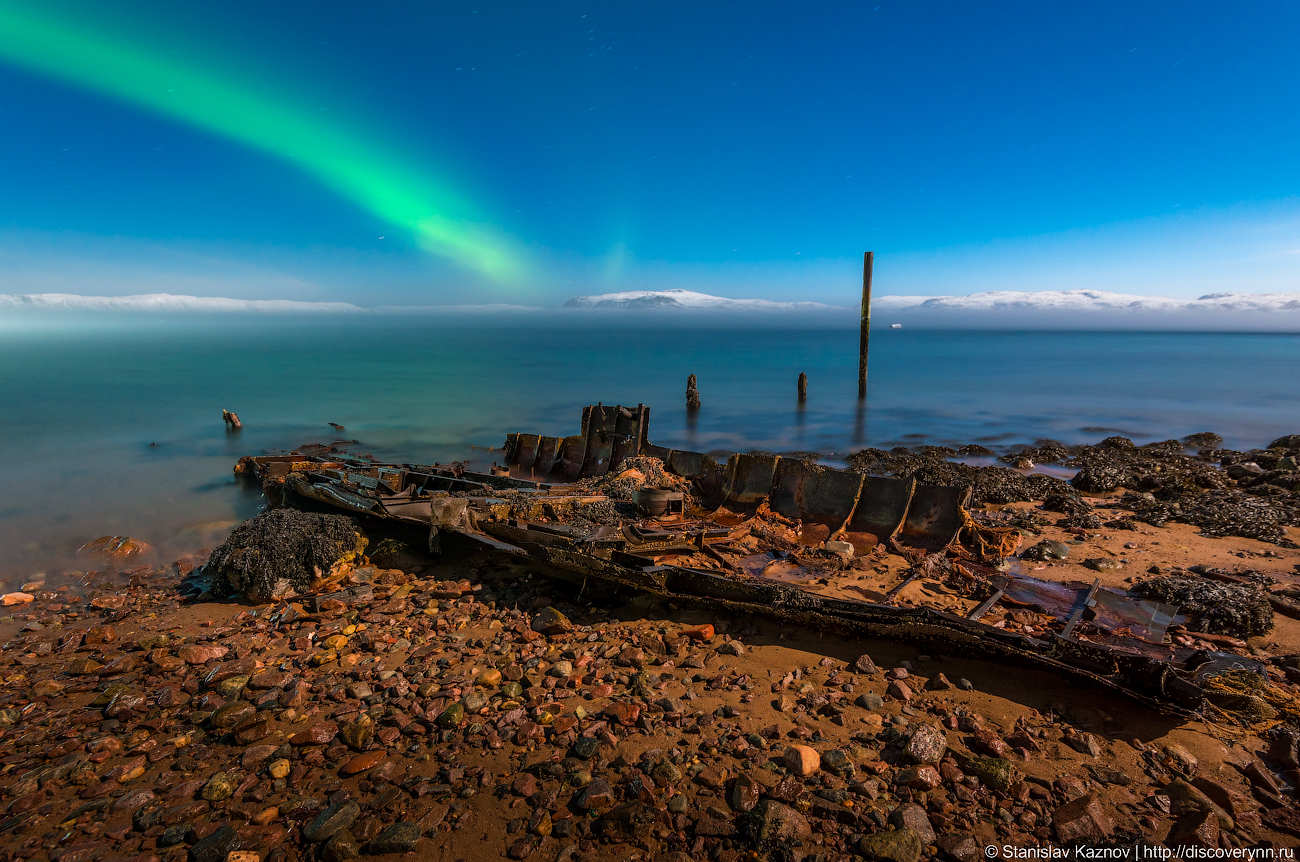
(677, 724)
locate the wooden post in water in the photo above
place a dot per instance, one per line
(865, 337)
(803, 386)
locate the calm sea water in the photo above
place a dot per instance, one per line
(114, 427)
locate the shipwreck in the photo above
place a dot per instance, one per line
(759, 534)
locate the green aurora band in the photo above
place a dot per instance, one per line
(352, 167)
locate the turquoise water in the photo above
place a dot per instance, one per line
(83, 404)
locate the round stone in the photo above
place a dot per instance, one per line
(802, 760)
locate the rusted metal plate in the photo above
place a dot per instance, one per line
(406, 504)
(709, 476)
(1144, 620)
(430, 482)
(815, 494)
(749, 478)
(569, 463)
(880, 513)
(1050, 597)
(487, 541)
(526, 451)
(648, 448)
(628, 430)
(548, 450)
(935, 513)
(689, 464)
(598, 428)
(1110, 611)
(331, 494)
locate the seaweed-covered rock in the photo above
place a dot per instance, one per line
(1163, 449)
(999, 485)
(1290, 441)
(1042, 452)
(282, 552)
(1218, 608)
(1203, 440)
(1081, 521)
(1096, 477)
(1238, 514)
(1069, 503)
(1046, 550)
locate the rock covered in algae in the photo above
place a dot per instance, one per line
(1238, 610)
(282, 552)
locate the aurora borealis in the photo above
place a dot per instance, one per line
(413, 153)
(341, 158)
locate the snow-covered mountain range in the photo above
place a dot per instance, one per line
(170, 303)
(1047, 309)
(676, 298)
(1091, 300)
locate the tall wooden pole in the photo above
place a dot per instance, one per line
(865, 338)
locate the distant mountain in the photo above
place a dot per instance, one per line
(1045, 309)
(168, 303)
(1089, 300)
(676, 298)
(163, 302)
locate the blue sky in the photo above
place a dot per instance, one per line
(745, 149)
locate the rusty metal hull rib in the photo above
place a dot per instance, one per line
(1151, 681)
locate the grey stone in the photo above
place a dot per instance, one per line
(341, 815)
(341, 848)
(870, 701)
(585, 748)
(398, 838)
(913, 816)
(216, 846)
(838, 763)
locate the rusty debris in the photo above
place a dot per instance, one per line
(763, 534)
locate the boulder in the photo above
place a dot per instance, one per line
(1081, 820)
(549, 621)
(283, 552)
(927, 745)
(1096, 478)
